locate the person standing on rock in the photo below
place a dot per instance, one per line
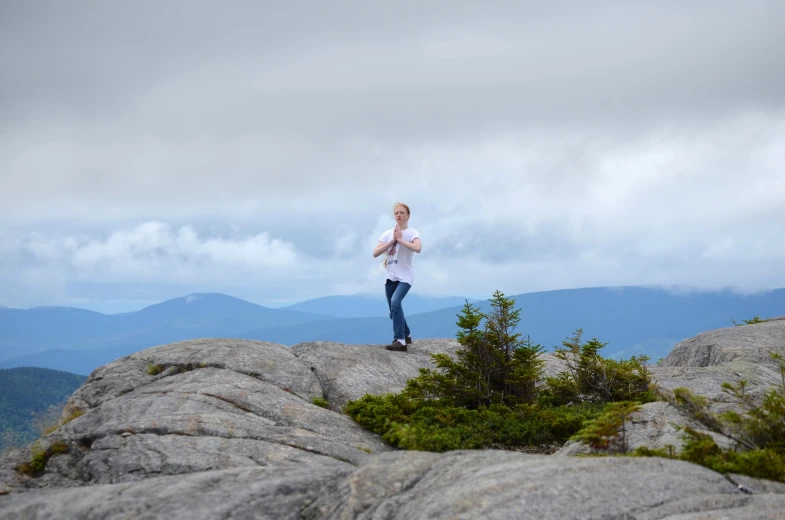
(399, 244)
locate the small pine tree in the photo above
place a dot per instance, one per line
(520, 366)
(758, 432)
(609, 431)
(757, 427)
(590, 377)
(495, 365)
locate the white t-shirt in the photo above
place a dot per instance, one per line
(399, 258)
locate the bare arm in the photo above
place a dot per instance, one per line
(381, 247)
(415, 245)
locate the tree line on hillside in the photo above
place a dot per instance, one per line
(31, 397)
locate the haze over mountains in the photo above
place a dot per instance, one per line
(633, 320)
(371, 306)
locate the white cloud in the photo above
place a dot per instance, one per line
(345, 241)
(152, 252)
(258, 153)
(691, 205)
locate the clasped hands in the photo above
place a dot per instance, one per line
(397, 234)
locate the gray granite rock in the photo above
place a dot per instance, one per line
(238, 493)
(413, 485)
(268, 362)
(756, 485)
(348, 372)
(654, 426)
(238, 403)
(707, 381)
(226, 429)
(702, 364)
(751, 343)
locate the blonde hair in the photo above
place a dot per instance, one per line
(408, 212)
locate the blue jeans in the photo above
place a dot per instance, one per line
(396, 291)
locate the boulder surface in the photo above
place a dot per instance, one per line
(702, 364)
(412, 485)
(224, 428)
(195, 406)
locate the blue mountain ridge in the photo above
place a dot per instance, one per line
(373, 305)
(633, 320)
(27, 331)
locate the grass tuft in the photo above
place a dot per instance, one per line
(40, 457)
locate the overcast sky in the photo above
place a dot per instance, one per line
(149, 150)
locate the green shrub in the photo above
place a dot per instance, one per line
(700, 448)
(608, 432)
(413, 425)
(153, 369)
(755, 319)
(590, 377)
(375, 412)
(37, 460)
(758, 433)
(320, 401)
(491, 394)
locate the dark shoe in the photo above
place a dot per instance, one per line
(396, 345)
(408, 340)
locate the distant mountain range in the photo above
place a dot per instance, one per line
(27, 331)
(372, 306)
(633, 320)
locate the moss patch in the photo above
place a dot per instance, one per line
(40, 457)
(320, 401)
(153, 369)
